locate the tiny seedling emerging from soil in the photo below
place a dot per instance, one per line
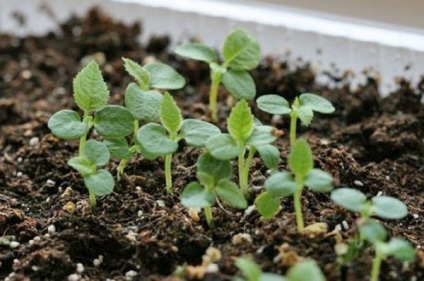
(241, 53)
(214, 181)
(143, 100)
(157, 140)
(243, 134)
(303, 108)
(305, 270)
(283, 184)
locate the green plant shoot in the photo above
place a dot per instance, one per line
(157, 140)
(303, 108)
(245, 135)
(241, 52)
(214, 182)
(283, 184)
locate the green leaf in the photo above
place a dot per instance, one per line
(316, 103)
(240, 122)
(273, 104)
(401, 249)
(249, 269)
(387, 207)
(241, 50)
(205, 178)
(239, 83)
(197, 132)
(306, 270)
(170, 114)
(215, 168)
(154, 141)
(305, 115)
(90, 91)
(270, 155)
(66, 124)
(82, 165)
(195, 196)
(272, 277)
(96, 152)
(164, 77)
(261, 135)
(349, 198)
(114, 121)
(118, 148)
(268, 205)
(300, 158)
(138, 72)
(223, 146)
(373, 231)
(231, 194)
(101, 183)
(280, 184)
(320, 181)
(197, 51)
(143, 105)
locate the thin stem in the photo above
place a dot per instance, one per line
(168, 175)
(293, 128)
(213, 95)
(136, 127)
(120, 170)
(298, 205)
(242, 182)
(247, 165)
(83, 139)
(92, 198)
(376, 265)
(208, 215)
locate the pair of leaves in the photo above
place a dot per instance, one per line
(385, 207)
(400, 249)
(303, 107)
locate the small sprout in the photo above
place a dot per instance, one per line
(214, 182)
(157, 140)
(283, 184)
(305, 270)
(303, 108)
(245, 134)
(241, 52)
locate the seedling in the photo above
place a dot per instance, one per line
(214, 182)
(157, 140)
(303, 108)
(283, 184)
(241, 52)
(243, 134)
(305, 270)
(143, 100)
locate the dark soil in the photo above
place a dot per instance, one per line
(370, 143)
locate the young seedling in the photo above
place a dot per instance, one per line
(214, 182)
(143, 100)
(157, 140)
(244, 134)
(303, 108)
(241, 52)
(283, 184)
(305, 270)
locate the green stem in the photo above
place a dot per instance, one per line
(168, 175)
(298, 206)
(92, 198)
(122, 164)
(375, 271)
(83, 139)
(293, 128)
(208, 215)
(213, 95)
(241, 167)
(136, 127)
(247, 165)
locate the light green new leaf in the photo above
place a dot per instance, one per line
(261, 135)
(349, 198)
(82, 165)
(319, 181)
(300, 158)
(305, 115)
(197, 132)
(195, 196)
(197, 51)
(240, 122)
(270, 155)
(241, 50)
(96, 152)
(90, 91)
(154, 141)
(215, 168)
(250, 270)
(114, 121)
(205, 178)
(144, 105)
(401, 249)
(223, 146)
(280, 184)
(273, 104)
(387, 207)
(170, 114)
(306, 270)
(373, 231)
(138, 72)
(268, 205)
(100, 183)
(239, 83)
(66, 124)
(118, 148)
(164, 77)
(316, 103)
(231, 194)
